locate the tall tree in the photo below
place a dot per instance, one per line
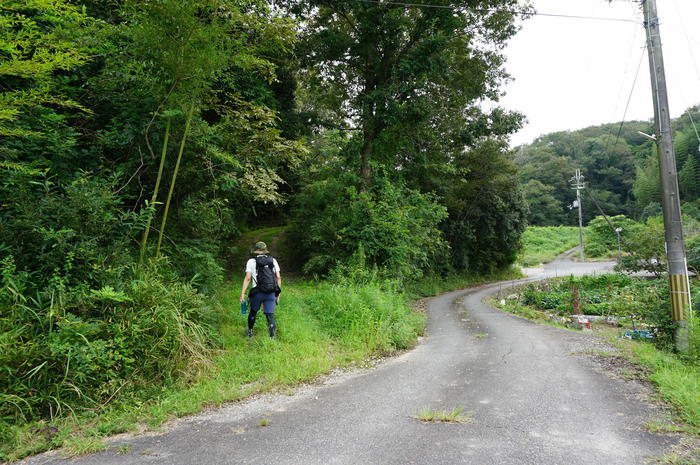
(386, 69)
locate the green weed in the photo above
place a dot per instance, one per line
(665, 426)
(678, 383)
(443, 416)
(432, 284)
(80, 445)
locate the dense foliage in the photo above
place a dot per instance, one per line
(602, 239)
(390, 226)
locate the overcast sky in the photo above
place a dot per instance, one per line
(573, 73)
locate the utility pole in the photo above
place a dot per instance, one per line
(578, 184)
(675, 251)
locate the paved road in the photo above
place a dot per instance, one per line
(532, 399)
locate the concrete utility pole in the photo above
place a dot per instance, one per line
(675, 250)
(578, 184)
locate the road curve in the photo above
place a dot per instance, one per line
(532, 399)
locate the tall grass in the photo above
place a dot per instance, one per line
(320, 326)
(678, 382)
(542, 243)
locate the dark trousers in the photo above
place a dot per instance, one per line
(268, 301)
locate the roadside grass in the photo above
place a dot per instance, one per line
(541, 244)
(666, 425)
(322, 326)
(525, 311)
(427, 415)
(677, 382)
(433, 285)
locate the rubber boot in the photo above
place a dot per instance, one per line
(271, 328)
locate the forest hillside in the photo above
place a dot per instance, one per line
(620, 168)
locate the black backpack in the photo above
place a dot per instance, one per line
(266, 281)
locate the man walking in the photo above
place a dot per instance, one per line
(265, 274)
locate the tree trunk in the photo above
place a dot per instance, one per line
(365, 157)
(368, 136)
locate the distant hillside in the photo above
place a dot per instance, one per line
(621, 173)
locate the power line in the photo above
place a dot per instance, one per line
(491, 10)
(622, 87)
(629, 99)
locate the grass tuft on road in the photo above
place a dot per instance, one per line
(427, 415)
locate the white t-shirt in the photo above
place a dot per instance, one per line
(251, 267)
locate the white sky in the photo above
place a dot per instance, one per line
(573, 73)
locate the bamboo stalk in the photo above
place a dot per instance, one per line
(154, 197)
(172, 181)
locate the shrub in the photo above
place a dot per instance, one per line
(366, 318)
(645, 250)
(395, 227)
(601, 240)
(76, 231)
(535, 297)
(63, 350)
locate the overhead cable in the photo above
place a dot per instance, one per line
(490, 10)
(629, 99)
